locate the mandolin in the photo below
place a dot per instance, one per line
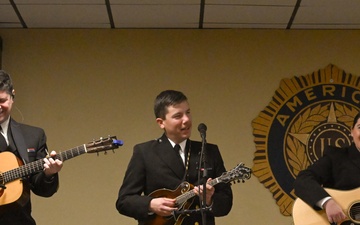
(184, 194)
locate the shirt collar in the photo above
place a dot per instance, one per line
(5, 125)
(182, 144)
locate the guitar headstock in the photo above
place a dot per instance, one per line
(239, 173)
(103, 144)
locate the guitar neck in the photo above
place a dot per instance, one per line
(187, 195)
(38, 165)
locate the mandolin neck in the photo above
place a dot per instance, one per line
(187, 195)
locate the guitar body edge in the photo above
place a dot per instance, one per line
(16, 193)
(304, 214)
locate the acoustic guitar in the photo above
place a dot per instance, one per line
(184, 194)
(14, 193)
(349, 201)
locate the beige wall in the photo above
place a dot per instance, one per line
(82, 84)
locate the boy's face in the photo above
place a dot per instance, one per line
(177, 123)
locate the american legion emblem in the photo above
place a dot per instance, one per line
(305, 114)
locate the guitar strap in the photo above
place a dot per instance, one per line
(187, 159)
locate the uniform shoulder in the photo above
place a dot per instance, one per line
(24, 126)
(148, 143)
(200, 143)
(332, 150)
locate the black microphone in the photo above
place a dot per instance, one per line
(202, 129)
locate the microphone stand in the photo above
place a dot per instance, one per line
(205, 176)
(202, 162)
(203, 208)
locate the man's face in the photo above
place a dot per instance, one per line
(6, 102)
(177, 123)
(355, 133)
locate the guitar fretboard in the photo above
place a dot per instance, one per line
(38, 165)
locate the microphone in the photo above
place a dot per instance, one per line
(202, 129)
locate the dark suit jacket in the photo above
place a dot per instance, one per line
(29, 144)
(155, 165)
(337, 169)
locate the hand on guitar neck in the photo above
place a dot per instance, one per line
(52, 165)
(209, 192)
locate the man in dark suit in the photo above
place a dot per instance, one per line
(339, 169)
(28, 144)
(156, 165)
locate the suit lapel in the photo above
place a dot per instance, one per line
(19, 140)
(170, 157)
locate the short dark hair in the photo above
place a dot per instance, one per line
(165, 99)
(356, 118)
(6, 83)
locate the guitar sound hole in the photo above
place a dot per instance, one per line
(354, 214)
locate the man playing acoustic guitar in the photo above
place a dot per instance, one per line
(339, 170)
(21, 144)
(158, 173)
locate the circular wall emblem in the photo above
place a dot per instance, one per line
(306, 114)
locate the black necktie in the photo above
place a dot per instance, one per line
(3, 143)
(177, 148)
